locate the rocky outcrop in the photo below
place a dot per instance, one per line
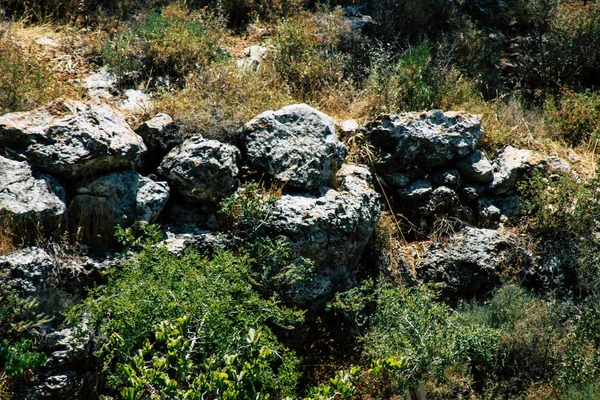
(25, 197)
(330, 229)
(428, 140)
(27, 270)
(296, 144)
(121, 198)
(72, 140)
(469, 263)
(202, 170)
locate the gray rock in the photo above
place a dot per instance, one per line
(28, 198)
(198, 239)
(494, 209)
(511, 165)
(442, 200)
(330, 229)
(450, 178)
(475, 168)
(397, 179)
(135, 100)
(27, 270)
(202, 171)
(160, 133)
(427, 140)
(121, 198)
(253, 57)
(472, 192)
(72, 140)
(416, 191)
(469, 263)
(349, 126)
(296, 144)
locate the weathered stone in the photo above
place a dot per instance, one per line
(450, 178)
(349, 126)
(469, 263)
(253, 57)
(122, 198)
(28, 198)
(72, 139)
(330, 229)
(27, 270)
(296, 144)
(510, 166)
(202, 171)
(475, 168)
(472, 192)
(160, 133)
(416, 191)
(427, 140)
(494, 209)
(442, 199)
(397, 179)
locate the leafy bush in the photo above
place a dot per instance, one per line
(416, 339)
(307, 54)
(167, 369)
(18, 357)
(155, 286)
(417, 80)
(173, 43)
(574, 117)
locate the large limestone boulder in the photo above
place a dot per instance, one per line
(119, 198)
(426, 140)
(72, 139)
(330, 229)
(202, 170)
(25, 196)
(469, 263)
(296, 144)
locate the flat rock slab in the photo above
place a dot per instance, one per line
(296, 144)
(425, 140)
(27, 197)
(72, 139)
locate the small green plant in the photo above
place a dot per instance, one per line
(247, 208)
(307, 55)
(17, 357)
(168, 367)
(139, 237)
(342, 386)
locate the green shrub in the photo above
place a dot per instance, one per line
(574, 117)
(416, 339)
(173, 43)
(18, 357)
(167, 368)
(156, 285)
(415, 81)
(562, 205)
(307, 54)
